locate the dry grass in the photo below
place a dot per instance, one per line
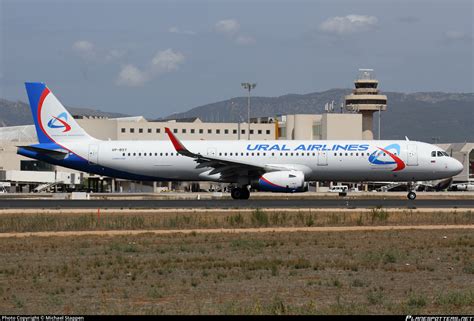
(110, 220)
(403, 272)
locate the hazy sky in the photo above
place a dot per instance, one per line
(154, 58)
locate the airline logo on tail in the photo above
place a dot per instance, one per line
(392, 151)
(60, 122)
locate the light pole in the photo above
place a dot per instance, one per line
(248, 86)
(379, 119)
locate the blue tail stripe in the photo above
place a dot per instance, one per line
(34, 91)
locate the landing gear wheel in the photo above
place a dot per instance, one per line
(236, 193)
(245, 194)
(411, 195)
(240, 193)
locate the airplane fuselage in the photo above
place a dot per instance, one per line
(318, 160)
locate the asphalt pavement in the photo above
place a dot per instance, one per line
(232, 204)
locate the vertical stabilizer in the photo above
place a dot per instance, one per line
(53, 122)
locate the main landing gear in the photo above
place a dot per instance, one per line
(240, 193)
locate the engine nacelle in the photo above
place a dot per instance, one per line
(282, 181)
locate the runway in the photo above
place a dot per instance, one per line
(234, 204)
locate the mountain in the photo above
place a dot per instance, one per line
(19, 113)
(426, 116)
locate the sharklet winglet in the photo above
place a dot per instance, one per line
(178, 146)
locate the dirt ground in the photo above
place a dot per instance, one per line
(393, 271)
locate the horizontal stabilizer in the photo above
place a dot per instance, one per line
(50, 152)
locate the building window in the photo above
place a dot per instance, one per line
(183, 130)
(209, 131)
(140, 130)
(132, 130)
(268, 131)
(234, 131)
(218, 131)
(123, 130)
(242, 131)
(201, 131)
(35, 165)
(251, 132)
(226, 131)
(158, 130)
(192, 131)
(259, 131)
(175, 130)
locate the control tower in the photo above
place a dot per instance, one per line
(365, 99)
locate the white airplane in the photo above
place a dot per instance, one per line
(276, 166)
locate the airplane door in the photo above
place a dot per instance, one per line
(211, 152)
(322, 158)
(93, 153)
(412, 157)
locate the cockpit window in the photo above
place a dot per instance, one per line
(433, 153)
(440, 154)
(445, 154)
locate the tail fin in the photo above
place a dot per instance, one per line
(53, 122)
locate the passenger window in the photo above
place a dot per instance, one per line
(123, 154)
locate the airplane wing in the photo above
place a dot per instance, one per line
(226, 168)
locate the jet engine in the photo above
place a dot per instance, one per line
(282, 181)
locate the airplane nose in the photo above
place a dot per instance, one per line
(456, 166)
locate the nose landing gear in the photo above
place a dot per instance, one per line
(411, 191)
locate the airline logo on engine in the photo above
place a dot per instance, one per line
(308, 147)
